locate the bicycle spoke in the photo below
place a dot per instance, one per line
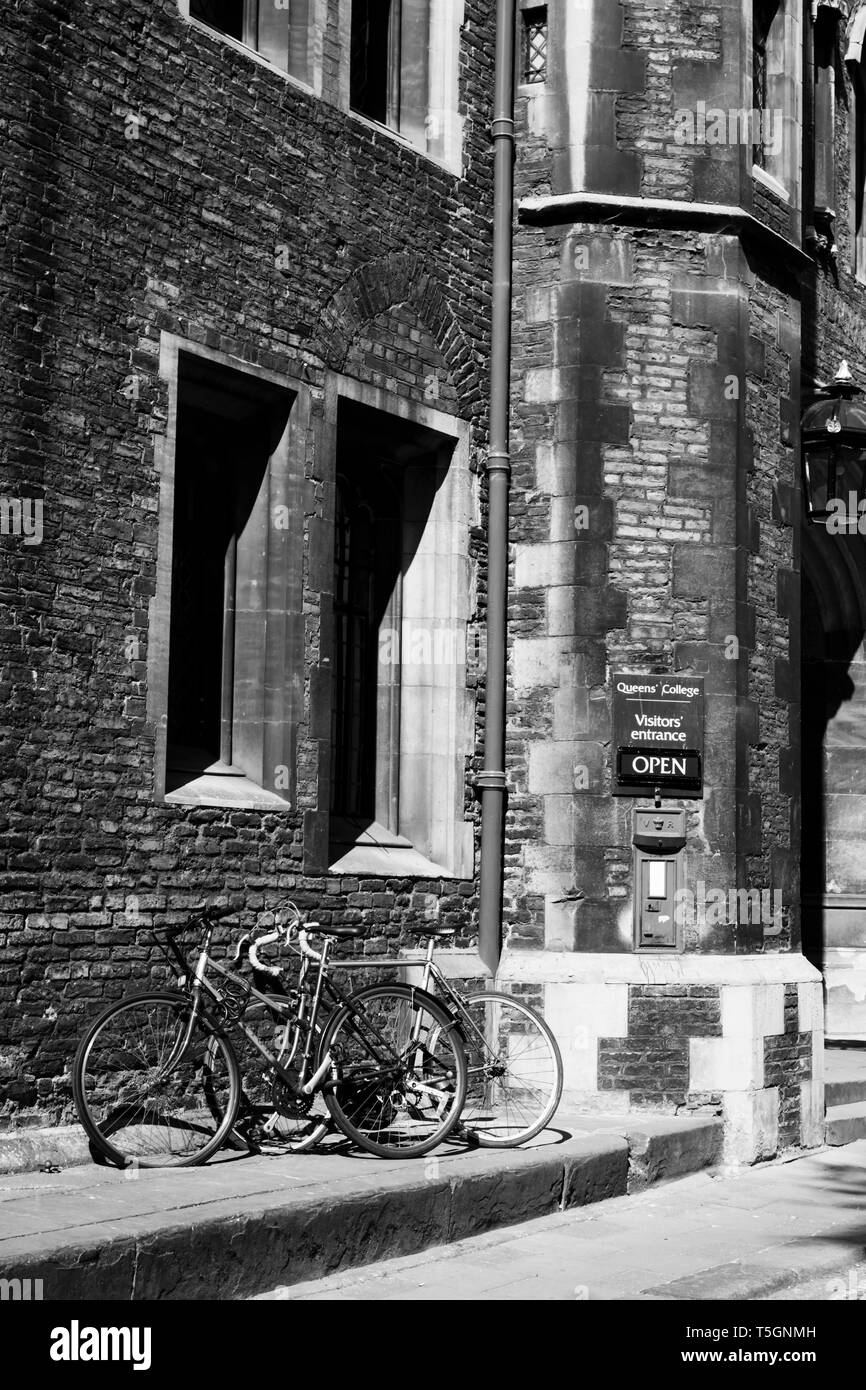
(141, 1096)
(400, 1070)
(515, 1073)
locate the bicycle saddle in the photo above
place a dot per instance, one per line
(433, 929)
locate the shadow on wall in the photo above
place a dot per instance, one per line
(833, 690)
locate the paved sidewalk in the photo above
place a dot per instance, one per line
(785, 1230)
(242, 1224)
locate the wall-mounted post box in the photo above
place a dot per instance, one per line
(658, 841)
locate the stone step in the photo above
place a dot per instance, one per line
(844, 1092)
(845, 1123)
(238, 1227)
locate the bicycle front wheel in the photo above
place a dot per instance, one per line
(143, 1097)
(398, 1071)
(515, 1071)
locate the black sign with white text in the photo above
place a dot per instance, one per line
(658, 735)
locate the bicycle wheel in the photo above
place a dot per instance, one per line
(399, 1072)
(279, 1118)
(140, 1099)
(515, 1071)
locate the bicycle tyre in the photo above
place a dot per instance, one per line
(506, 1109)
(131, 1115)
(417, 1103)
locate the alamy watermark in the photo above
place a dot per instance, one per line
(422, 646)
(711, 125)
(77, 1343)
(22, 516)
(732, 907)
(20, 1290)
(847, 516)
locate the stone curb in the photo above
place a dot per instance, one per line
(239, 1246)
(29, 1150)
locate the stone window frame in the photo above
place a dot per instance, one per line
(319, 25)
(857, 145)
(526, 9)
(445, 61)
(285, 645)
(824, 99)
(782, 176)
(449, 849)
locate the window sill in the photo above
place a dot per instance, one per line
(378, 853)
(772, 184)
(453, 167)
(217, 789)
(219, 37)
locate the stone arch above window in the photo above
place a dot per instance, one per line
(398, 287)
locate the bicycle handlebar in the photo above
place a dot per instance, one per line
(253, 953)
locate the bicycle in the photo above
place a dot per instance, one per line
(514, 1062)
(156, 1080)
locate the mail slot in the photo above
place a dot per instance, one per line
(658, 839)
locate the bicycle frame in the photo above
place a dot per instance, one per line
(431, 970)
(202, 986)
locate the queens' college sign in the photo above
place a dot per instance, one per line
(658, 735)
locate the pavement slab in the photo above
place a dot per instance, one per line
(753, 1235)
(242, 1224)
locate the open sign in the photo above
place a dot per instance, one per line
(655, 768)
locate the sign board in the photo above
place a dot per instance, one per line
(658, 735)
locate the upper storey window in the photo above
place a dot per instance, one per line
(764, 12)
(776, 59)
(281, 31)
(767, 45)
(533, 47)
(403, 70)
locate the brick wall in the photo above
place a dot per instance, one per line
(158, 181)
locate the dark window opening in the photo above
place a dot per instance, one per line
(279, 32)
(228, 427)
(402, 69)
(367, 583)
(385, 596)
(823, 98)
(534, 44)
(225, 15)
(763, 15)
(858, 174)
(374, 86)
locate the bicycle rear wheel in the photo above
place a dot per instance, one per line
(515, 1071)
(142, 1099)
(399, 1072)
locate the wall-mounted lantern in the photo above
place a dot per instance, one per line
(833, 432)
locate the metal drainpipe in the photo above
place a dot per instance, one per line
(491, 781)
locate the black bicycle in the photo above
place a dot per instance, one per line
(156, 1078)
